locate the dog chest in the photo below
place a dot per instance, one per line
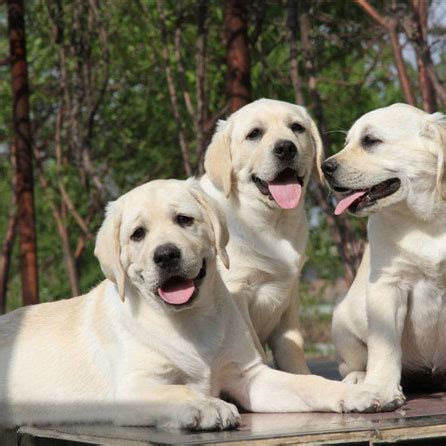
(263, 282)
(423, 342)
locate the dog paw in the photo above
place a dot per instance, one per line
(204, 415)
(355, 378)
(387, 399)
(359, 399)
(392, 400)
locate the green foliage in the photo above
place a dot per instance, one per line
(135, 135)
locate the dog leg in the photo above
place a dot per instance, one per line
(386, 310)
(174, 407)
(263, 389)
(166, 406)
(287, 343)
(351, 351)
(349, 327)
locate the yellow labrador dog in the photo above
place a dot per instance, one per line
(258, 167)
(159, 340)
(391, 323)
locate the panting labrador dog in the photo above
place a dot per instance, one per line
(392, 322)
(159, 340)
(258, 167)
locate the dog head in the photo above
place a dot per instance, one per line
(394, 154)
(265, 151)
(161, 238)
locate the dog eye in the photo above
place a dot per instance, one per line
(368, 141)
(254, 134)
(184, 220)
(296, 127)
(138, 234)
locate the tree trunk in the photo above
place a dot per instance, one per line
(310, 70)
(294, 63)
(70, 261)
(390, 24)
(8, 240)
(236, 29)
(202, 106)
(415, 27)
(184, 146)
(23, 145)
(349, 246)
(5, 254)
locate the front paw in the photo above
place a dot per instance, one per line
(358, 398)
(389, 399)
(206, 414)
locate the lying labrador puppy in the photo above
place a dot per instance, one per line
(390, 324)
(159, 340)
(258, 167)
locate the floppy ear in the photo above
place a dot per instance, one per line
(218, 222)
(108, 249)
(318, 147)
(218, 162)
(436, 131)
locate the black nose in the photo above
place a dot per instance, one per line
(285, 150)
(167, 256)
(329, 167)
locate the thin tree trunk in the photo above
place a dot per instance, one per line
(184, 146)
(415, 27)
(60, 216)
(202, 105)
(236, 27)
(9, 238)
(350, 247)
(294, 63)
(400, 64)
(5, 254)
(70, 261)
(390, 24)
(310, 70)
(23, 145)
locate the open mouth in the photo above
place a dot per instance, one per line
(179, 290)
(356, 200)
(285, 189)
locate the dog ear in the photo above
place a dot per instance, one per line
(108, 247)
(318, 147)
(218, 161)
(436, 131)
(218, 222)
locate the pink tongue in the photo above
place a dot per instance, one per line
(178, 293)
(347, 201)
(286, 194)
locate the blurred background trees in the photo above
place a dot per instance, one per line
(122, 92)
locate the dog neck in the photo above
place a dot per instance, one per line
(431, 211)
(246, 215)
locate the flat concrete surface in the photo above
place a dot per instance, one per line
(423, 417)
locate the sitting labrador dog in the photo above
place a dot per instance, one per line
(258, 167)
(390, 325)
(158, 340)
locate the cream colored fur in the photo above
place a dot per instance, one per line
(393, 318)
(120, 354)
(267, 243)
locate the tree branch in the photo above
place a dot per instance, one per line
(9, 238)
(292, 22)
(390, 24)
(172, 91)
